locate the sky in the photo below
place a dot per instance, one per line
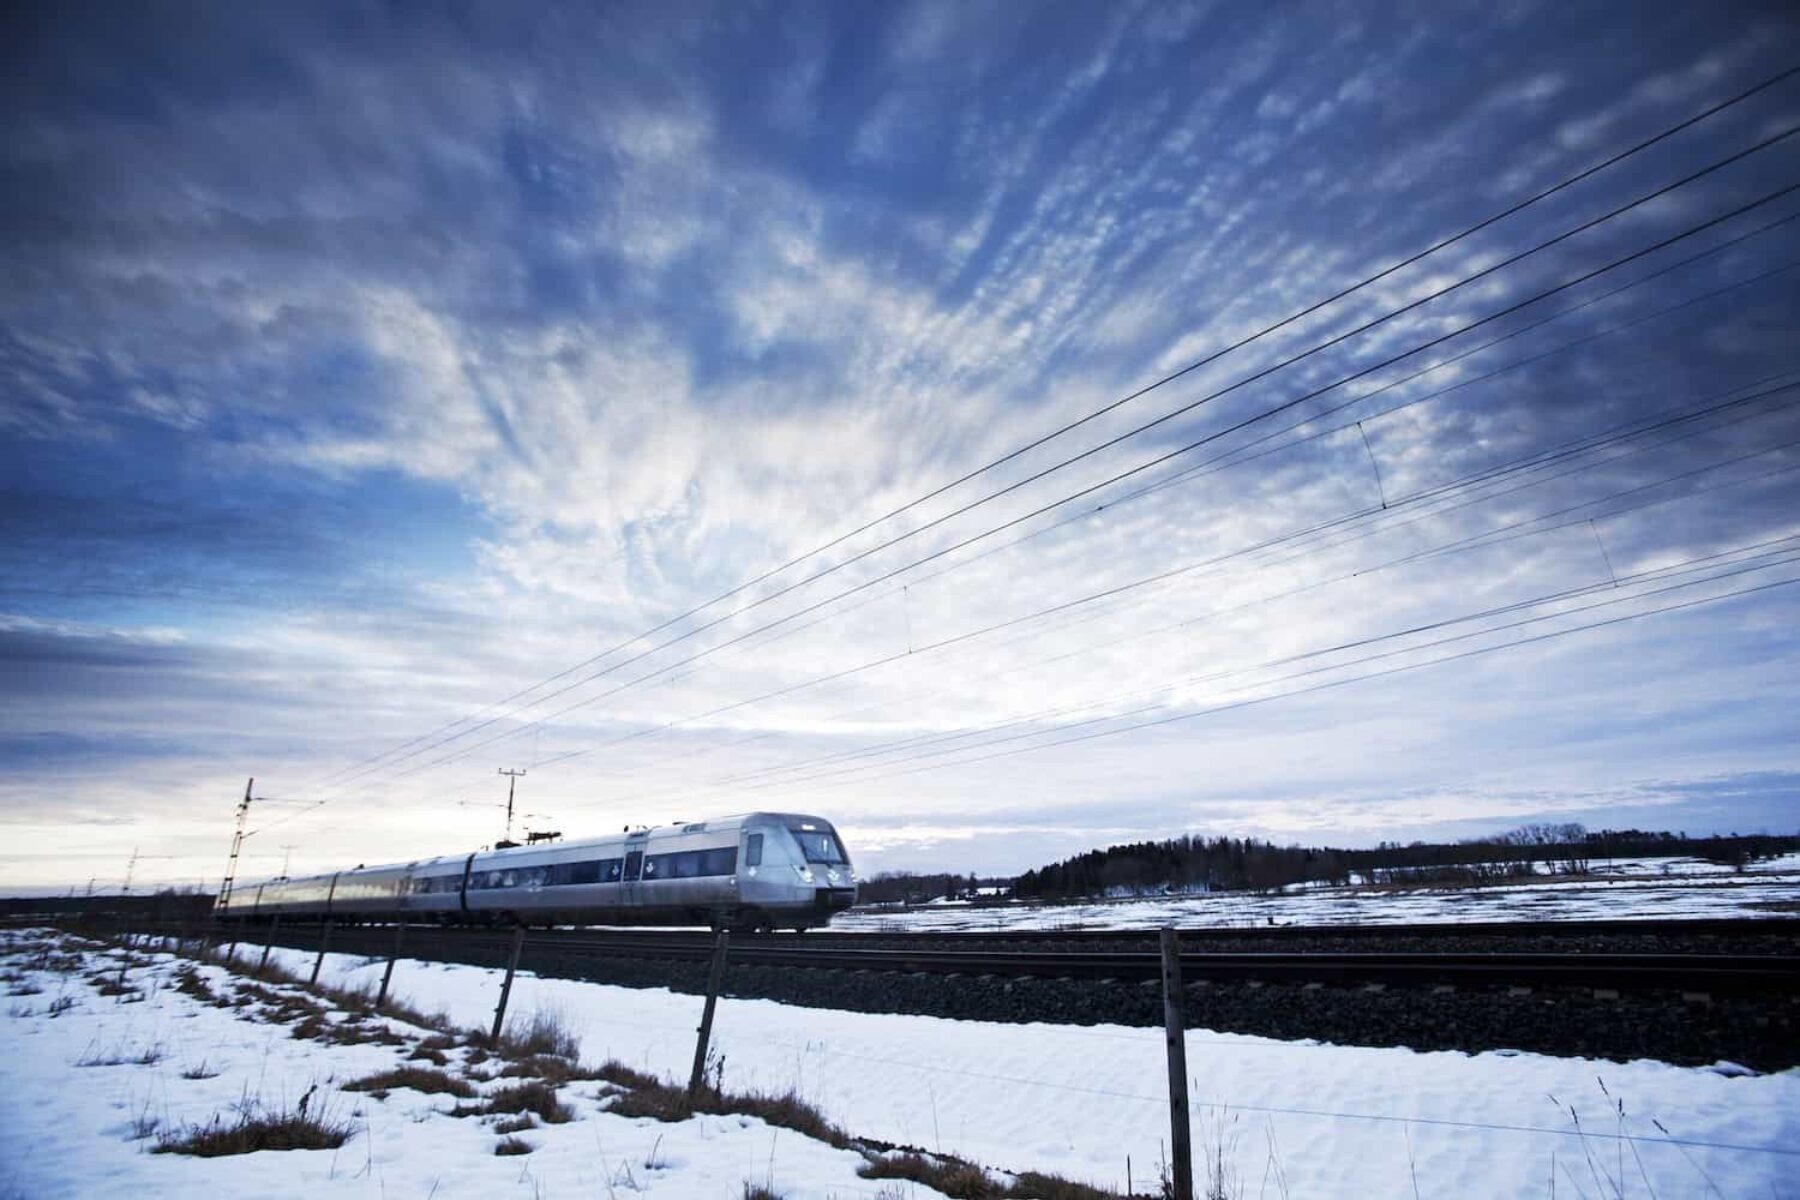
(708, 408)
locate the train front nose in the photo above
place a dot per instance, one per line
(839, 891)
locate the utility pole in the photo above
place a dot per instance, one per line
(287, 851)
(237, 844)
(511, 783)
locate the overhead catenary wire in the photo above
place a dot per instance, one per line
(1463, 544)
(1236, 458)
(1250, 702)
(1535, 460)
(1158, 460)
(1230, 462)
(1787, 554)
(1778, 552)
(1466, 542)
(916, 742)
(1444, 243)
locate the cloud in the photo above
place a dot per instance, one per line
(382, 367)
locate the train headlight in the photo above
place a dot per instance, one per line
(805, 874)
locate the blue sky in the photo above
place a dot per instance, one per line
(362, 365)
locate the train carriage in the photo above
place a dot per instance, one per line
(755, 871)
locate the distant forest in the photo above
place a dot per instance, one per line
(1197, 864)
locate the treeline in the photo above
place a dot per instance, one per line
(1246, 864)
(903, 887)
(1182, 864)
(166, 905)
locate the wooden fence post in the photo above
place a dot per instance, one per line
(1175, 1033)
(324, 944)
(269, 941)
(714, 977)
(388, 975)
(512, 965)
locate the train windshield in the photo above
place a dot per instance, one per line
(818, 842)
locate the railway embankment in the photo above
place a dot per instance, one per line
(1418, 987)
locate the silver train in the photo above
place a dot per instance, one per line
(757, 871)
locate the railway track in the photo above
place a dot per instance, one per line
(1130, 956)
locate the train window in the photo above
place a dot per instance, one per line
(566, 874)
(692, 864)
(753, 850)
(819, 845)
(609, 871)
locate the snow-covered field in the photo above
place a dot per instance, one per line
(1292, 1119)
(1625, 889)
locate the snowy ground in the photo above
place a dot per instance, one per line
(1292, 1119)
(1623, 889)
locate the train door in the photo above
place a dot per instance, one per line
(630, 887)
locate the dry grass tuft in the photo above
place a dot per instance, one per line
(513, 1145)
(189, 983)
(1055, 1187)
(544, 1033)
(535, 1097)
(650, 1097)
(953, 1177)
(251, 1132)
(350, 1032)
(419, 1079)
(147, 1057)
(624, 1076)
(548, 1067)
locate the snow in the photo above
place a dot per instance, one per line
(1618, 889)
(1293, 1118)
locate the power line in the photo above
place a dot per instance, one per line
(1383, 673)
(1147, 465)
(1487, 475)
(1442, 244)
(1037, 717)
(1235, 457)
(1472, 542)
